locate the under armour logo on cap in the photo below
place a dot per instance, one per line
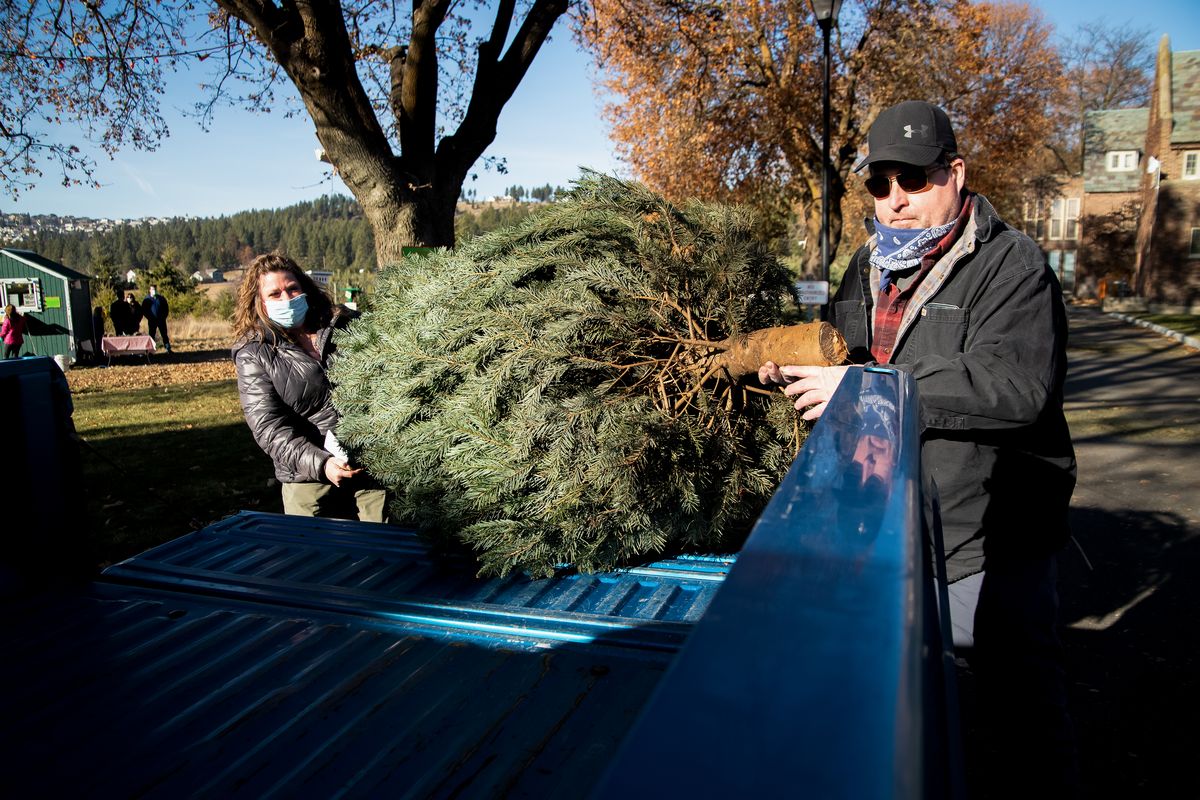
(913, 132)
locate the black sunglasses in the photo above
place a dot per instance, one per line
(911, 180)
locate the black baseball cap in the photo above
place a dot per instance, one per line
(913, 132)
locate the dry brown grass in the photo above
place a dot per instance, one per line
(199, 353)
(206, 328)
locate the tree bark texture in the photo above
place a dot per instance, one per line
(408, 196)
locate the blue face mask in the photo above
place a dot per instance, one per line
(287, 313)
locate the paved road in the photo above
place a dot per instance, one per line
(1130, 605)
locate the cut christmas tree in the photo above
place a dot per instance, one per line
(578, 390)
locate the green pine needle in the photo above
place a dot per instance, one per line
(531, 396)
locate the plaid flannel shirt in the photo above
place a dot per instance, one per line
(891, 301)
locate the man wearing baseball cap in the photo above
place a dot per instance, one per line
(945, 290)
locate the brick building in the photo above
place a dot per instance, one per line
(1131, 221)
(1054, 222)
(1167, 266)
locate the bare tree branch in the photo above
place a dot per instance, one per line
(376, 77)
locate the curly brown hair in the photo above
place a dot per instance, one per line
(250, 318)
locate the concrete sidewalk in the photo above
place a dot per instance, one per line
(1190, 341)
(1131, 589)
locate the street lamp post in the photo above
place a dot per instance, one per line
(826, 12)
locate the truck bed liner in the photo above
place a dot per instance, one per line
(282, 656)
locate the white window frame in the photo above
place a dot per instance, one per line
(1062, 264)
(1066, 276)
(28, 299)
(1065, 218)
(1121, 160)
(1035, 225)
(1058, 207)
(1190, 172)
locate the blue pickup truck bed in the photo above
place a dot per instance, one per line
(273, 656)
(281, 656)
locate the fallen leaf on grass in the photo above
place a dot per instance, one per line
(143, 376)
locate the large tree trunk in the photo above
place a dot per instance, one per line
(424, 217)
(409, 197)
(812, 225)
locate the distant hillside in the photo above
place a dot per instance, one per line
(472, 219)
(329, 233)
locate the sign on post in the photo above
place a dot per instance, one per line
(813, 293)
(321, 277)
(419, 252)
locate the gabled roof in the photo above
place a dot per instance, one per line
(1104, 131)
(41, 262)
(1116, 129)
(1185, 97)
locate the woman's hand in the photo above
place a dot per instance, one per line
(337, 470)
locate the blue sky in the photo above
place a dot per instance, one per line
(550, 128)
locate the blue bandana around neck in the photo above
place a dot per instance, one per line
(900, 249)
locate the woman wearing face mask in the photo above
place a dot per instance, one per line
(283, 327)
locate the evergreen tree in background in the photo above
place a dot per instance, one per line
(554, 393)
(165, 273)
(545, 193)
(108, 275)
(329, 233)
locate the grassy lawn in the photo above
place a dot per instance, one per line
(161, 461)
(1187, 324)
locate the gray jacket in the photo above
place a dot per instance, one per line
(287, 400)
(985, 337)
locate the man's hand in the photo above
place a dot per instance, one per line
(811, 386)
(337, 471)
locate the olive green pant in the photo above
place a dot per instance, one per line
(368, 503)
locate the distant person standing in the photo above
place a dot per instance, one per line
(134, 317)
(118, 312)
(155, 308)
(12, 331)
(97, 328)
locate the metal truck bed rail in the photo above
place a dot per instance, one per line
(820, 668)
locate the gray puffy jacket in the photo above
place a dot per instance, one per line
(287, 400)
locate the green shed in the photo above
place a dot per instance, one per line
(55, 300)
